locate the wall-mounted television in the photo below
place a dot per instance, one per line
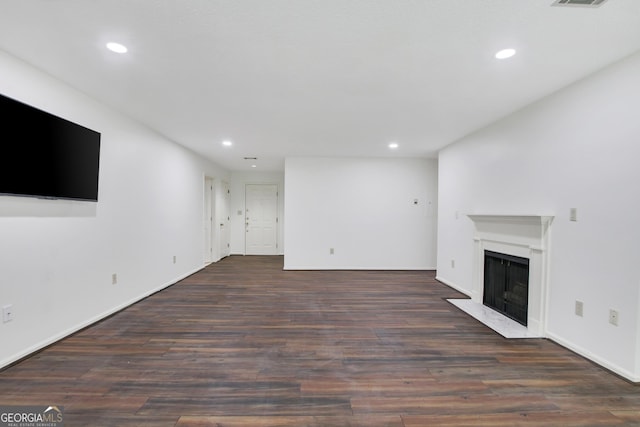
(45, 156)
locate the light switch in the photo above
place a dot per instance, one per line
(573, 214)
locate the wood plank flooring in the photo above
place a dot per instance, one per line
(244, 343)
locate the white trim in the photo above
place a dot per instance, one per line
(342, 267)
(52, 340)
(454, 286)
(591, 356)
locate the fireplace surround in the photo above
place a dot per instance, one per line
(524, 236)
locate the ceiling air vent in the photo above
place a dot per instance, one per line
(584, 3)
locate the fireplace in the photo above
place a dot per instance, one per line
(506, 285)
(516, 237)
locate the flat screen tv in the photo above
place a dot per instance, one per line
(45, 156)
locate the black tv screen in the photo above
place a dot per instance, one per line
(46, 156)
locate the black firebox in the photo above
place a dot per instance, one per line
(506, 285)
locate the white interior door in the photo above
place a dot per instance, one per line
(261, 219)
(225, 219)
(209, 228)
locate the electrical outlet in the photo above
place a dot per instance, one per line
(573, 214)
(613, 317)
(114, 279)
(174, 259)
(7, 313)
(453, 263)
(331, 251)
(579, 308)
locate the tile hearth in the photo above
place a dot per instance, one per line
(498, 322)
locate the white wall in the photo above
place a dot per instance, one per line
(239, 180)
(578, 148)
(57, 257)
(363, 208)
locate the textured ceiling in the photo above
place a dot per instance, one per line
(317, 77)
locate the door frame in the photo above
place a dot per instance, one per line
(224, 214)
(209, 220)
(277, 226)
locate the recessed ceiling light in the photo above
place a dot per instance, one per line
(227, 143)
(254, 166)
(505, 53)
(393, 145)
(117, 47)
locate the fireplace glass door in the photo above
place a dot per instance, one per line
(506, 285)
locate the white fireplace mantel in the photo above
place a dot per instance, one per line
(534, 219)
(526, 236)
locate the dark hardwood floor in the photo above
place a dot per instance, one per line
(244, 343)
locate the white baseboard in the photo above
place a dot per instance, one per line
(453, 285)
(564, 343)
(358, 268)
(594, 358)
(64, 334)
